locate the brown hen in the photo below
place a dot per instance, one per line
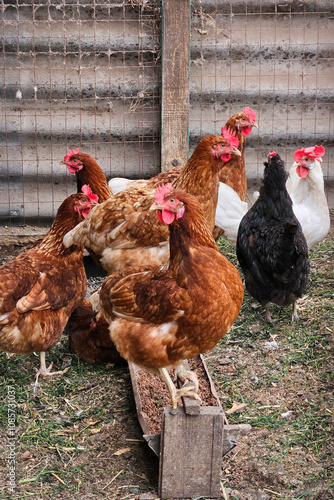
(41, 287)
(123, 232)
(162, 316)
(87, 171)
(89, 336)
(233, 173)
(230, 209)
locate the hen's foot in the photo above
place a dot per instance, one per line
(187, 376)
(294, 316)
(46, 372)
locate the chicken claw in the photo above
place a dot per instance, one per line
(294, 316)
(267, 314)
(44, 371)
(186, 375)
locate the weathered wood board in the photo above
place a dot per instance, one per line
(175, 39)
(191, 453)
(191, 443)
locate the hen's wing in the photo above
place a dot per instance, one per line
(118, 184)
(272, 253)
(143, 296)
(126, 216)
(17, 277)
(32, 282)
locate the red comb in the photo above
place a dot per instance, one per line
(250, 113)
(87, 191)
(161, 192)
(273, 153)
(71, 153)
(230, 136)
(313, 152)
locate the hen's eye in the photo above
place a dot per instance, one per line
(172, 200)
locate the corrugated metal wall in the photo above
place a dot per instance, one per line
(76, 73)
(86, 74)
(276, 57)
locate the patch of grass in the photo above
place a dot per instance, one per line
(76, 423)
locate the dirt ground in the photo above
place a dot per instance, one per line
(78, 435)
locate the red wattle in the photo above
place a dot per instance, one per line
(246, 131)
(166, 216)
(225, 157)
(302, 171)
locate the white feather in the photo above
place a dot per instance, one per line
(118, 184)
(230, 210)
(310, 203)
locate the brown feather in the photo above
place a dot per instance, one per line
(42, 286)
(165, 315)
(122, 230)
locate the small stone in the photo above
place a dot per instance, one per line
(225, 361)
(271, 345)
(286, 414)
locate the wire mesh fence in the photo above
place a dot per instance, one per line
(277, 58)
(76, 74)
(86, 74)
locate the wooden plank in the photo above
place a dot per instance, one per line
(191, 453)
(139, 408)
(175, 33)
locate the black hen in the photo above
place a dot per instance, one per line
(271, 247)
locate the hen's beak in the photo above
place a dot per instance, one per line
(63, 163)
(156, 206)
(235, 151)
(254, 124)
(220, 150)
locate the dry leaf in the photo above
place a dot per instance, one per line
(121, 451)
(95, 431)
(236, 407)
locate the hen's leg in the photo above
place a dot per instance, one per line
(44, 371)
(267, 313)
(171, 387)
(294, 311)
(176, 393)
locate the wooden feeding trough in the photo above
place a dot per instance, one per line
(191, 443)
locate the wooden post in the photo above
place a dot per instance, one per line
(191, 453)
(175, 83)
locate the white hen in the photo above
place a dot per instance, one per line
(306, 188)
(229, 212)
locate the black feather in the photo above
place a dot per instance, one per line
(271, 248)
